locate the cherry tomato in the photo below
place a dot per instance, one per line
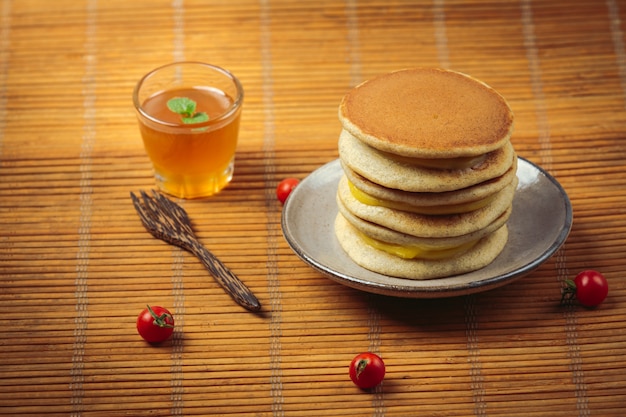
(589, 287)
(285, 187)
(367, 370)
(155, 324)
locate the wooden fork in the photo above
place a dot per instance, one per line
(169, 222)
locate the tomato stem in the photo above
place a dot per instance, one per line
(161, 320)
(360, 367)
(568, 293)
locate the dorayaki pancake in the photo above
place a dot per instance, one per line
(379, 168)
(466, 195)
(428, 225)
(427, 113)
(476, 257)
(384, 234)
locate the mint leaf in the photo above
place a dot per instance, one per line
(182, 105)
(186, 107)
(196, 118)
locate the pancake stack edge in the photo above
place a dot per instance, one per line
(429, 174)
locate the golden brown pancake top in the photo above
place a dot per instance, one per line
(428, 113)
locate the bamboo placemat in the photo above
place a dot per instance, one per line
(76, 265)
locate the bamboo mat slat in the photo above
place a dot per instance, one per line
(77, 266)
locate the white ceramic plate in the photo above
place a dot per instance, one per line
(539, 224)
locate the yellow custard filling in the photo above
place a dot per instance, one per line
(428, 210)
(417, 251)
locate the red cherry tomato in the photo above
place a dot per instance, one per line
(285, 187)
(155, 324)
(367, 370)
(589, 287)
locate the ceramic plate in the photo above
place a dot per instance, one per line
(538, 226)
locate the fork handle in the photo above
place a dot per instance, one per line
(226, 278)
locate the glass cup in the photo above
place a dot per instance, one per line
(188, 116)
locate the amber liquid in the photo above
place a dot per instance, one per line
(191, 160)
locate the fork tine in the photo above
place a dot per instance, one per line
(173, 208)
(166, 214)
(147, 201)
(175, 213)
(157, 220)
(153, 209)
(149, 220)
(161, 201)
(140, 209)
(134, 198)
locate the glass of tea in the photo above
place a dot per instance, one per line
(189, 121)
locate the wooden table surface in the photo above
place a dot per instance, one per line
(77, 266)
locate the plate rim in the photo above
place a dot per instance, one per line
(409, 291)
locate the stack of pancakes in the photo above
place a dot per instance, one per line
(429, 174)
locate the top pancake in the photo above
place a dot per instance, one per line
(427, 113)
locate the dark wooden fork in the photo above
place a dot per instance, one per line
(169, 222)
